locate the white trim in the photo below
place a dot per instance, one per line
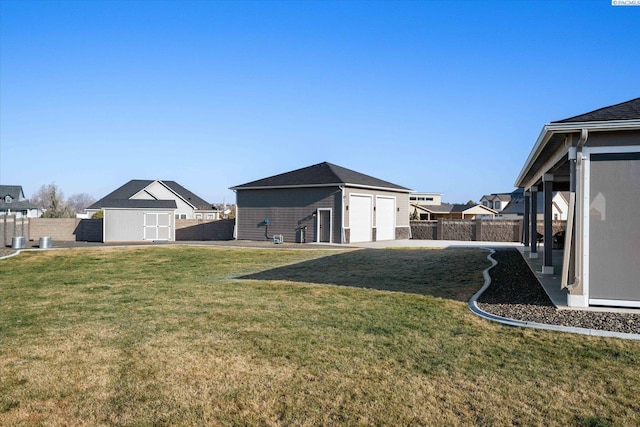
(370, 196)
(343, 214)
(318, 224)
(339, 184)
(157, 225)
(612, 150)
(586, 192)
(394, 214)
(577, 300)
(614, 302)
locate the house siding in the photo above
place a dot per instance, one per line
(288, 211)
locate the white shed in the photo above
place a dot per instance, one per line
(139, 220)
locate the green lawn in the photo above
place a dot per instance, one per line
(212, 336)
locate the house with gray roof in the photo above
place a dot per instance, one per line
(322, 203)
(515, 207)
(495, 201)
(452, 211)
(143, 210)
(13, 202)
(596, 158)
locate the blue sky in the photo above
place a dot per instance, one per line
(443, 96)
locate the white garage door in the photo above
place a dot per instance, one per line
(385, 218)
(360, 210)
(157, 226)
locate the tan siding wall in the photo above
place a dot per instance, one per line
(402, 209)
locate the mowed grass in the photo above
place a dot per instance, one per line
(208, 336)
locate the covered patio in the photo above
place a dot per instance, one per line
(596, 157)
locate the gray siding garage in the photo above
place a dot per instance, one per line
(322, 203)
(292, 213)
(139, 220)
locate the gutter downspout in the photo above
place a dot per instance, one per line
(342, 214)
(574, 244)
(235, 222)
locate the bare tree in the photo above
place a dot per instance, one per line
(50, 199)
(77, 203)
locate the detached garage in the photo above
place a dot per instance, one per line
(139, 220)
(322, 203)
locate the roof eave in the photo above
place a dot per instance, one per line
(551, 129)
(337, 184)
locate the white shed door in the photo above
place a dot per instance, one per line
(385, 218)
(157, 226)
(360, 213)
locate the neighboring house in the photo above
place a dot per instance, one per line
(322, 203)
(13, 202)
(146, 210)
(452, 211)
(515, 208)
(596, 157)
(425, 198)
(496, 201)
(188, 205)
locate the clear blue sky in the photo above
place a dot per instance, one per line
(443, 96)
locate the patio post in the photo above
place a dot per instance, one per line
(534, 223)
(525, 220)
(547, 189)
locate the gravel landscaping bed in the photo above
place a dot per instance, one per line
(515, 293)
(6, 252)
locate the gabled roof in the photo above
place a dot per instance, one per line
(320, 175)
(190, 197)
(628, 110)
(18, 202)
(446, 208)
(505, 197)
(15, 191)
(133, 187)
(516, 205)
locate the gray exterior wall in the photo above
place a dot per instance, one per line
(613, 139)
(288, 211)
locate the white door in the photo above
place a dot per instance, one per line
(360, 218)
(157, 226)
(385, 218)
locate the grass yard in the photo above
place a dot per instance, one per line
(219, 336)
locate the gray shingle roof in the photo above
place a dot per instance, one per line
(140, 204)
(19, 203)
(190, 197)
(322, 174)
(134, 186)
(629, 110)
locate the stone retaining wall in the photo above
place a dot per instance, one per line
(486, 230)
